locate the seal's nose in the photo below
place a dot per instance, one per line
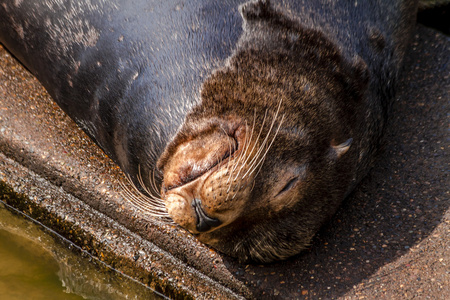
(204, 222)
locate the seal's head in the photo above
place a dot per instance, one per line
(264, 159)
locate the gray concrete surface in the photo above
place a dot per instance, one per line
(390, 239)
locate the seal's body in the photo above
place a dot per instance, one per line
(261, 116)
(126, 73)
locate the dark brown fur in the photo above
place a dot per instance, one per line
(323, 97)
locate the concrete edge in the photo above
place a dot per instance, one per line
(102, 237)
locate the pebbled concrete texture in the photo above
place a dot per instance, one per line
(390, 239)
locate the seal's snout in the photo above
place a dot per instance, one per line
(204, 222)
(202, 187)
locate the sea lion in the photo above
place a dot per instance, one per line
(253, 119)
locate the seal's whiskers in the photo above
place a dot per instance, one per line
(256, 155)
(230, 148)
(261, 162)
(139, 201)
(143, 200)
(243, 153)
(149, 203)
(239, 159)
(244, 146)
(153, 199)
(154, 187)
(254, 145)
(256, 159)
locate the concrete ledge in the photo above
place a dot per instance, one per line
(389, 240)
(101, 236)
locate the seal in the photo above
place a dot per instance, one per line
(247, 123)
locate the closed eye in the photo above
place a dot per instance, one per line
(289, 185)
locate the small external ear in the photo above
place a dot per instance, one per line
(341, 149)
(253, 10)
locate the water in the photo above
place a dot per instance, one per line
(28, 271)
(36, 265)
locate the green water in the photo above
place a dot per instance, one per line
(27, 271)
(35, 265)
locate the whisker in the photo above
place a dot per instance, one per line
(149, 204)
(141, 183)
(254, 183)
(240, 156)
(259, 134)
(229, 159)
(230, 150)
(247, 146)
(151, 199)
(260, 163)
(153, 184)
(229, 144)
(242, 153)
(142, 200)
(255, 143)
(157, 201)
(260, 150)
(140, 203)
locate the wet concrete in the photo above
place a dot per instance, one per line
(390, 239)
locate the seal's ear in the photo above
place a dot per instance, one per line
(341, 149)
(254, 10)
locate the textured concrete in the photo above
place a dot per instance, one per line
(390, 239)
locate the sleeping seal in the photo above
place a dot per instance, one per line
(246, 122)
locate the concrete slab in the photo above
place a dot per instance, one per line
(389, 240)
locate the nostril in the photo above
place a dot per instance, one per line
(204, 222)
